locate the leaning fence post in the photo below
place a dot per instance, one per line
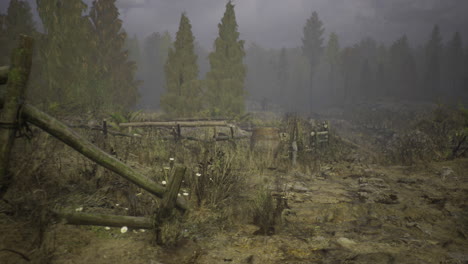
(166, 209)
(14, 97)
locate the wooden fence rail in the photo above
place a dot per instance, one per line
(80, 144)
(171, 124)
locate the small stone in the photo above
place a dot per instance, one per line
(346, 242)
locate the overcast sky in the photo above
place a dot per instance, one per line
(278, 23)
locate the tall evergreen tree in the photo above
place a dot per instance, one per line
(381, 71)
(225, 80)
(350, 58)
(67, 66)
(454, 63)
(18, 20)
(333, 60)
(183, 91)
(312, 44)
(116, 72)
(283, 76)
(433, 54)
(403, 75)
(365, 80)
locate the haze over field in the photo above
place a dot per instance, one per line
(278, 23)
(299, 55)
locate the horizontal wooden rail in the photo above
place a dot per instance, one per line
(105, 220)
(176, 123)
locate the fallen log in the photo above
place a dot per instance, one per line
(105, 220)
(176, 123)
(13, 99)
(80, 144)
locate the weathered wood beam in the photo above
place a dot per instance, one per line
(80, 144)
(170, 197)
(175, 123)
(110, 132)
(105, 220)
(13, 99)
(4, 74)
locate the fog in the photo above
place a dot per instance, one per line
(368, 28)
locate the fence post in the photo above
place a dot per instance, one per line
(165, 212)
(14, 98)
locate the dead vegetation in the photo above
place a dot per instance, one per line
(231, 189)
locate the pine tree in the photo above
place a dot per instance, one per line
(333, 60)
(381, 71)
(312, 44)
(67, 68)
(454, 63)
(403, 75)
(365, 80)
(18, 20)
(225, 81)
(350, 58)
(153, 70)
(282, 75)
(116, 72)
(182, 97)
(433, 53)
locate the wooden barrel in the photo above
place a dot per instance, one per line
(265, 139)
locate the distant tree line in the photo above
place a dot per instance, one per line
(321, 73)
(84, 61)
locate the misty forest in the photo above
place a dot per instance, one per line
(123, 147)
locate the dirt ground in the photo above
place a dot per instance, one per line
(345, 211)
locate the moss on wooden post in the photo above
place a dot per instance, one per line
(14, 97)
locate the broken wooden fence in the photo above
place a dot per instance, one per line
(14, 110)
(176, 127)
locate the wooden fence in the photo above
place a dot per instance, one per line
(14, 111)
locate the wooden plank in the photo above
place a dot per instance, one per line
(105, 220)
(14, 97)
(80, 144)
(175, 124)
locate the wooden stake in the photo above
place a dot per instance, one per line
(14, 98)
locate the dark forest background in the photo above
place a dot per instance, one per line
(85, 62)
